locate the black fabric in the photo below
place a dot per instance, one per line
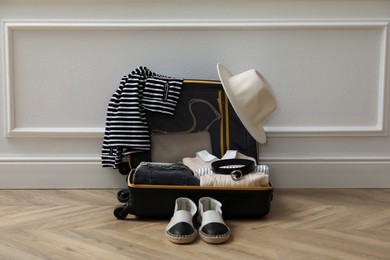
(227, 133)
(236, 203)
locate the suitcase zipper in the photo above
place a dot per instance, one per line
(166, 91)
(202, 81)
(221, 127)
(227, 127)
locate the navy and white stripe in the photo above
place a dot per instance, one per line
(126, 123)
(161, 95)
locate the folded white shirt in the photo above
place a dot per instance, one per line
(204, 159)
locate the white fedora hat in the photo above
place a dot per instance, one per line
(250, 98)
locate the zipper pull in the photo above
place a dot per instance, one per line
(166, 91)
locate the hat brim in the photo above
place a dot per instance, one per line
(256, 131)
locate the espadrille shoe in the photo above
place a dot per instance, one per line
(213, 229)
(180, 229)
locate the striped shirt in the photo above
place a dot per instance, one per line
(126, 123)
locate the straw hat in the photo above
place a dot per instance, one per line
(250, 98)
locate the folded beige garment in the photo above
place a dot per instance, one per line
(254, 179)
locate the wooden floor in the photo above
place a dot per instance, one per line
(303, 224)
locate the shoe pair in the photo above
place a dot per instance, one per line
(213, 229)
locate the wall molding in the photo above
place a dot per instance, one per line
(96, 159)
(326, 159)
(63, 172)
(28, 159)
(58, 132)
(9, 26)
(328, 174)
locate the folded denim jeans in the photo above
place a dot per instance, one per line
(164, 174)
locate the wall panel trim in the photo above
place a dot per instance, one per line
(9, 26)
(86, 172)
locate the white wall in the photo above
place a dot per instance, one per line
(326, 61)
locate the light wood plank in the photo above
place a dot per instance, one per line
(303, 224)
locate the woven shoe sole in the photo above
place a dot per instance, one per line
(181, 239)
(214, 239)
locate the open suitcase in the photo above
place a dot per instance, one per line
(203, 107)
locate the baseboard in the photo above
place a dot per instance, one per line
(330, 174)
(58, 175)
(88, 174)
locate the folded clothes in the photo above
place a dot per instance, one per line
(262, 168)
(164, 174)
(203, 159)
(254, 179)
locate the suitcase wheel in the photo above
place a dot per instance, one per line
(123, 195)
(124, 168)
(121, 211)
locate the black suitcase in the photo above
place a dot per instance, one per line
(212, 113)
